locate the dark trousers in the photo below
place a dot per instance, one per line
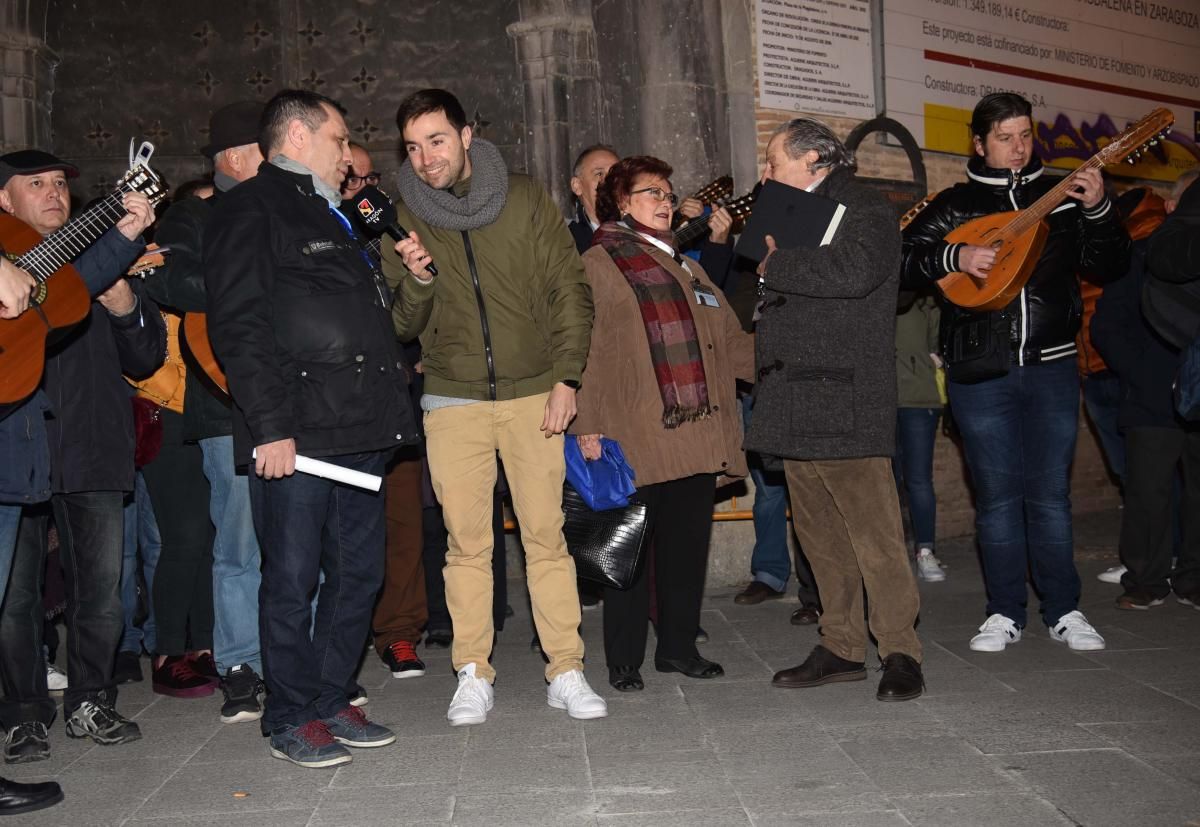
(1019, 433)
(847, 516)
(1146, 525)
(307, 525)
(1102, 399)
(678, 530)
(183, 582)
(91, 538)
(400, 612)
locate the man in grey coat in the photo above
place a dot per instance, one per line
(826, 406)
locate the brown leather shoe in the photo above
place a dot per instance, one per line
(806, 615)
(821, 667)
(902, 679)
(756, 593)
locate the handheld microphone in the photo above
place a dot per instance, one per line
(379, 213)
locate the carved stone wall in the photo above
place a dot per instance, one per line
(157, 70)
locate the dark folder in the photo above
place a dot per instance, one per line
(793, 217)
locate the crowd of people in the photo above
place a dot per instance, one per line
(452, 356)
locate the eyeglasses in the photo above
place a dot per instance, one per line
(658, 194)
(371, 178)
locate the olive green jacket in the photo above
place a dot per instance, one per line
(916, 339)
(532, 297)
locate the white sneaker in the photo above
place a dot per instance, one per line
(472, 700)
(56, 681)
(929, 568)
(570, 691)
(1112, 575)
(1074, 630)
(995, 633)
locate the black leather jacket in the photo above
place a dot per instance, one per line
(300, 319)
(1045, 316)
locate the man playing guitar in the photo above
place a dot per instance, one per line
(81, 459)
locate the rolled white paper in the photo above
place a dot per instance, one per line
(329, 471)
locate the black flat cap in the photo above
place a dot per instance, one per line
(31, 162)
(233, 125)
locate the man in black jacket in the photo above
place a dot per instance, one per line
(825, 403)
(1017, 403)
(233, 149)
(1158, 439)
(91, 467)
(299, 316)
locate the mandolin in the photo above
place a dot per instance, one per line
(61, 299)
(1018, 237)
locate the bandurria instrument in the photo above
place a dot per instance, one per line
(1018, 237)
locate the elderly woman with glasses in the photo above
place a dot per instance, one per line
(666, 350)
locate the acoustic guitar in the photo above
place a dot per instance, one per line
(61, 299)
(194, 337)
(1018, 237)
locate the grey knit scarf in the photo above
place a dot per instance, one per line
(443, 209)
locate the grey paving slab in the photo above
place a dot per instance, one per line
(927, 765)
(101, 793)
(236, 788)
(981, 810)
(723, 702)
(371, 806)
(1164, 738)
(1099, 788)
(868, 818)
(275, 818)
(569, 808)
(667, 781)
(666, 733)
(535, 768)
(732, 817)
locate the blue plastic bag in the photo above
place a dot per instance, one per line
(603, 483)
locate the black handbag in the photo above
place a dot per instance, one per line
(606, 545)
(978, 348)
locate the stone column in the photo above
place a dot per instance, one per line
(684, 104)
(26, 75)
(556, 50)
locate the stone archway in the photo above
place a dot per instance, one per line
(27, 67)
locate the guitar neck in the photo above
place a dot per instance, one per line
(691, 231)
(66, 243)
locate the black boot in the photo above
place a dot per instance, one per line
(821, 667)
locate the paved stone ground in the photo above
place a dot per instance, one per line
(1034, 736)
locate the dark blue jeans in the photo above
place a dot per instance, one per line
(916, 429)
(307, 525)
(1019, 433)
(90, 534)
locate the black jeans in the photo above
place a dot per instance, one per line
(183, 579)
(1147, 525)
(307, 525)
(679, 528)
(91, 536)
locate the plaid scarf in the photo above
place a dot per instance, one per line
(667, 315)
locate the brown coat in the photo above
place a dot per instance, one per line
(619, 394)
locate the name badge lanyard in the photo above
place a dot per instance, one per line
(366, 257)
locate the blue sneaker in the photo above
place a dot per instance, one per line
(310, 745)
(351, 727)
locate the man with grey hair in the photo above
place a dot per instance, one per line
(826, 406)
